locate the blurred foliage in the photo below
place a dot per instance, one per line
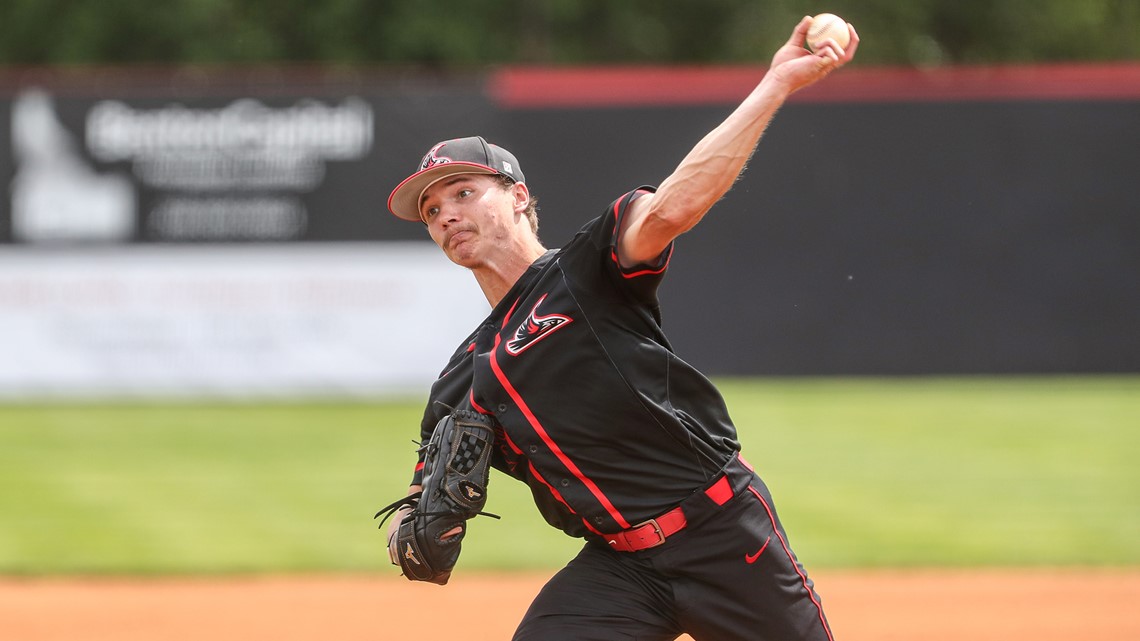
(475, 32)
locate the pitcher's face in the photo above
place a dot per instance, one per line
(470, 216)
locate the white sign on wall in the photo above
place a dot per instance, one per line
(348, 319)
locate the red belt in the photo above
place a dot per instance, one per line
(653, 532)
(649, 534)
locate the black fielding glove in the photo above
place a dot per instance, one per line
(457, 465)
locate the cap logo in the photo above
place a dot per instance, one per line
(508, 168)
(433, 158)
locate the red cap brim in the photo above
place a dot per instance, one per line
(404, 201)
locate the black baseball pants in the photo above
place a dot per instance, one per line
(729, 575)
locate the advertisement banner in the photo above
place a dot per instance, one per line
(894, 222)
(310, 320)
(164, 235)
(146, 162)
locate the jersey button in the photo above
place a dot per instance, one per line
(533, 449)
(565, 482)
(502, 407)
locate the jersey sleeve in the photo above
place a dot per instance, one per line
(640, 281)
(426, 427)
(449, 391)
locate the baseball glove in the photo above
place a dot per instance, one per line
(457, 462)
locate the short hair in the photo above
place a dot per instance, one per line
(531, 207)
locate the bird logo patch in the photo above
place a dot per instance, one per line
(434, 158)
(535, 328)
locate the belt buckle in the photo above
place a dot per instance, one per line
(656, 530)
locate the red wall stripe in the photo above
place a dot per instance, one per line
(627, 86)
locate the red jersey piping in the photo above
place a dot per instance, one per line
(477, 406)
(558, 495)
(545, 436)
(617, 229)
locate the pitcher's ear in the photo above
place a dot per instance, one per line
(522, 197)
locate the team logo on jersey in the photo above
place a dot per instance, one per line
(535, 328)
(433, 158)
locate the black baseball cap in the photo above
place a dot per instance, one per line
(471, 155)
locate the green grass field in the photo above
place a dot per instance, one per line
(865, 472)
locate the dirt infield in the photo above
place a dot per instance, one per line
(863, 606)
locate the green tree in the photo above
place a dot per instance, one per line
(445, 33)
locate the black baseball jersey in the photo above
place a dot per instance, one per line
(598, 416)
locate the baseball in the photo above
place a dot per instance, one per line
(827, 25)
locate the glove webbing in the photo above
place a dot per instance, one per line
(413, 500)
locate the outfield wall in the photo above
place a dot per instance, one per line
(967, 220)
